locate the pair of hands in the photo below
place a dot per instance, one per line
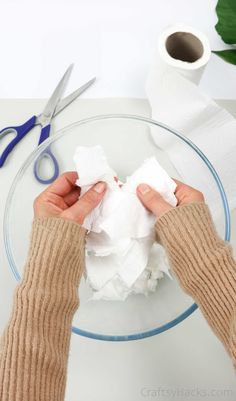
(62, 199)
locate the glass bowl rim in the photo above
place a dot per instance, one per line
(57, 135)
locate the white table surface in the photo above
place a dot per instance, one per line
(187, 358)
(112, 39)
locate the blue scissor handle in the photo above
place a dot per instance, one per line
(45, 132)
(47, 153)
(20, 132)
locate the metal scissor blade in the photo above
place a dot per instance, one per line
(56, 96)
(69, 99)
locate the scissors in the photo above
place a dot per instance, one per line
(54, 106)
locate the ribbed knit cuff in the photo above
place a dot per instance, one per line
(192, 222)
(56, 251)
(189, 235)
(69, 229)
(35, 345)
(202, 262)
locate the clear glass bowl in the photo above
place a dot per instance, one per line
(127, 142)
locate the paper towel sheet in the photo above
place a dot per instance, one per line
(177, 101)
(121, 230)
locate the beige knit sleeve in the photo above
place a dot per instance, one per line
(204, 266)
(35, 344)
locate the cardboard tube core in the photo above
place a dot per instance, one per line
(184, 46)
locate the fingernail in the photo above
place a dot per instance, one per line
(144, 188)
(100, 187)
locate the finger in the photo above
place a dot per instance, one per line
(182, 185)
(72, 196)
(86, 203)
(177, 181)
(152, 200)
(63, 184)
(187, 194)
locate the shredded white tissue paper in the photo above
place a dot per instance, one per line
(121, 254)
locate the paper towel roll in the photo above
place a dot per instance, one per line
(184, 49)
(176, 100)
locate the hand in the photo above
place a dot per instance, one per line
(154, 202)
(61, 199)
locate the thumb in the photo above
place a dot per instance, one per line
(152, 200)
(80, 209)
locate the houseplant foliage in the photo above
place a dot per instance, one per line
(226, 28)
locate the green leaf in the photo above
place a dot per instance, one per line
(227, 55)
(226, 25)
